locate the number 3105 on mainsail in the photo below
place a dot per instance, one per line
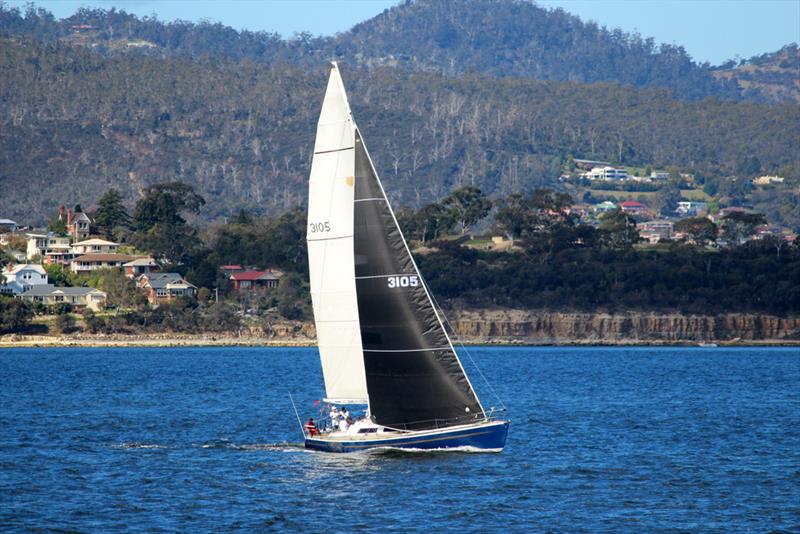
(381, 340)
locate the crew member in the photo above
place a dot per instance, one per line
(311, 428)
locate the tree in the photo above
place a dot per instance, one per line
(58, 226)
(120, 290)
(618, 230)
(467, 206)
(15, 315)
(110, 214)
(667, 198)
(738, 226)
(521, 216)
(163, 204)
(65, 323)
(699, 229)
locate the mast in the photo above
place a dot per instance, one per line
(329, 235)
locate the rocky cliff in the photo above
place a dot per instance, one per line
(558, 327)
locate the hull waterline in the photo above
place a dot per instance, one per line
(486, 436)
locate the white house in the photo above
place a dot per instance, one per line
(91, 262)
(22, 277)
(94, 246)
(607, 173)
(41, 245)
(690, 207)
(7, 225)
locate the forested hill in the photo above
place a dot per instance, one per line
(491, 37)
(74, 123)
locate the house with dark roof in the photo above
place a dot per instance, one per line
(161, 287)
(78, 297)
(136, 268)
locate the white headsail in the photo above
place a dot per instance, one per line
(330, 249)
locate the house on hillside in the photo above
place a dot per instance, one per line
(78, 297)
(607, 173)
(91, 262)
(136, 268)
(255, 280)
(49, 244)
(631, 207)
(161, 287)
(16, 279)
(94, 246)
(655, 231)
(605, 207)
(691, 208)
(7, 225)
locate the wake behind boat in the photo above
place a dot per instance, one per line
(381, 340)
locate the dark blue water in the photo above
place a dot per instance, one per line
(602, 439)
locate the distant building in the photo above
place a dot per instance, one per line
(161, 287)
(78, 224)
(136, 268)
(655, 231)
(254, 280)
(659, 175)
(691, 208)
(94, 246)
(91, 262)
(7, 225)
(228, 270)
(607, 173)
(42, 245)
(16, 279)
(79, 297)
(767, 180)
(632, 207)
(604, 207)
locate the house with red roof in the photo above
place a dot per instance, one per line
(253, 280)
(632, 207)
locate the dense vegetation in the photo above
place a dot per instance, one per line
(74, 123)
(494, 37)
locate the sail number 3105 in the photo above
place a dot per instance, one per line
(402, 281)
(319, 227)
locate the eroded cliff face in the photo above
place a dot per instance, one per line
(544, 327)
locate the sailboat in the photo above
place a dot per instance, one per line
(381, 340)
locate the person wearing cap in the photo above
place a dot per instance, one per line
(334, 417)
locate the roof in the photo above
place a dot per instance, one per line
(95, 241)
(632, 204)
(231, 267)
(104, 257)
(253, 275)
(141, 262)
(8, 221)
(606, 204)
(161, 280)
(80, 215)
(43, 290)
(22, 266)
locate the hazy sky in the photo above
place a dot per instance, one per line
(710, 30)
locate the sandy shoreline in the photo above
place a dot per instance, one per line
(188, 340)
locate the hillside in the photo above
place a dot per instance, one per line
(774, 76)
(74, 122)
(492, 37)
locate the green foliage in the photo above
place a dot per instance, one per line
(520, 216)
(60, 275)
(94, 323)
(162, 205)
(667, 198)
(466, 206)
(221, 317)
(58, 226)
(618, 230)
(737, 226)
(700, 230)
(65, 323)
(120, 290)
(15, 315)
(110, 214)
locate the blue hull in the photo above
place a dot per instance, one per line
(490, 436)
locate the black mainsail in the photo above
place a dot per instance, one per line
(414, 379)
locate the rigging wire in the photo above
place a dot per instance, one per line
(462, 346)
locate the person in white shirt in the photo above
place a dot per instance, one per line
(335, 415)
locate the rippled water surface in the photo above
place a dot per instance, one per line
(205, 439)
